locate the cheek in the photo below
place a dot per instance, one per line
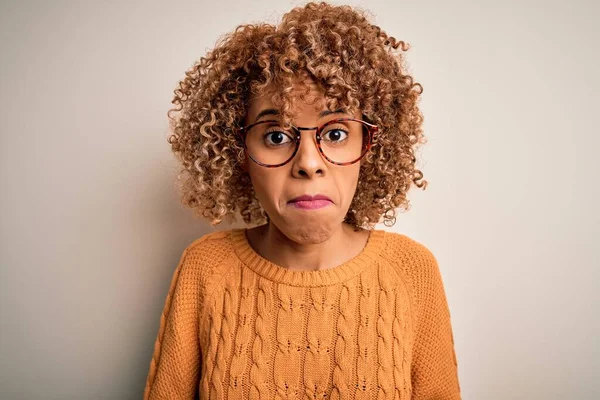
(351, 180)
(267, 186)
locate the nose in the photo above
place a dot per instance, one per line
(308, 162)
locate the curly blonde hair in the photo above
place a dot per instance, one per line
(355, 64)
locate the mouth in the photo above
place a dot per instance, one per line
(307, 202)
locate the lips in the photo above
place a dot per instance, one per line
(307, 202)
(307, 197)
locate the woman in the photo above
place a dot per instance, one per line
(308, 130)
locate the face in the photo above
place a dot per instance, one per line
(308, 173)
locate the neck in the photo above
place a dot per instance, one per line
(308, 251)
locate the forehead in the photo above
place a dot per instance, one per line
(306, 97)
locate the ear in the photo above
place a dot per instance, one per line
(244, 164)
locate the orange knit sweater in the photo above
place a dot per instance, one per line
(237, 326)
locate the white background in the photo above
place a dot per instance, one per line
(92, 228)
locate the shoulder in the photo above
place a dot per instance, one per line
(402, 248)
(206, 256)
(413, 261)
(210, 241)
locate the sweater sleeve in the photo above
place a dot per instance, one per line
(176, 361)
(434, 370)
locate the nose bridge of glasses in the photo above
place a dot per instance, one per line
(310, 132)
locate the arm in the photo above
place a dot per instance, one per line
(434, 367)
(175, 366)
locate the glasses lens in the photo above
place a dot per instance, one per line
(341, 142)
(344, 141)
(268, 143)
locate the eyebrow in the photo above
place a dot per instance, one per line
(272, 111)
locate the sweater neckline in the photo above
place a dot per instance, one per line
(324, 277)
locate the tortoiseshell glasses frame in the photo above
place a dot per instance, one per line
(372, 130)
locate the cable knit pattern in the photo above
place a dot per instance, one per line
(237, 326)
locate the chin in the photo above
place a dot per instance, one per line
(309, 233)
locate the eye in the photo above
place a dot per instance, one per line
(335, 135)
(276, 138)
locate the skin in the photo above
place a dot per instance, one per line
(300, 239)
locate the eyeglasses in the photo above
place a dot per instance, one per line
(342, 141)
